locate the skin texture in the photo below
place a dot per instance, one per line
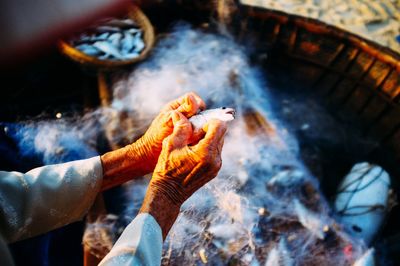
(182, 169)
(140, 157)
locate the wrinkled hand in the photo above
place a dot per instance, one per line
(182, 169)
(162, 126)
(140, 157)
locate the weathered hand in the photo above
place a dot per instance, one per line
(162, 126)
(140, 157)
(182, 169)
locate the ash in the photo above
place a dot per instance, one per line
(264, 207)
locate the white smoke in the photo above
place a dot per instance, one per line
(221, 223)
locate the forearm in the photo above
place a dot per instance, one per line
(124, 164)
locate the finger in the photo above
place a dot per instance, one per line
(200, 103)
(182, 130)
(173, 105)
(189, 104)
(165, 119)
(215, 131)
(193, 105)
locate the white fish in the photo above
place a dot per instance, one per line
(121, 23)
(115, 39)
(88, 49)
(108, 48)
(199, 120)
(107, 29)
(139, 44)
(135, 31)
(222, 113)
(102, 37)
(127, 42)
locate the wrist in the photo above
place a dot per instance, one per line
(161, 206)
(123, 165)
(147, 155)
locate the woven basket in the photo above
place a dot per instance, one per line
(135, 14)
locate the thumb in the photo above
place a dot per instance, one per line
(215, 131)
(182, 130)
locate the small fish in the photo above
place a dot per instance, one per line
(127, 42)
(107, 29)
(115, 39)
(102, 37)
(134, 31)
(222, 113)
(199, 120)
(108, 48)
(88, 49)
(121, 23)
(139, 45)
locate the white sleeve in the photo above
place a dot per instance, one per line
(47, 197)
(139, 244)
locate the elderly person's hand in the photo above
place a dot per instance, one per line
(182, 169)
(140, 157)
(162, 126)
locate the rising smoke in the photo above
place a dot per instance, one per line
(263, 200)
